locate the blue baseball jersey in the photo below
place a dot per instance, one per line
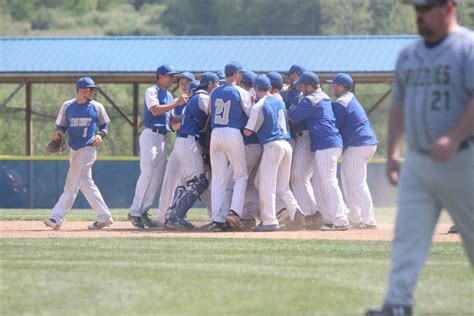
(292, 97)
(316, 110)
(195, 114)
(252, 139)
(229, 106)
(154, 95)
(82, 122)
(268, 119)
(352, 122)
(179, 110)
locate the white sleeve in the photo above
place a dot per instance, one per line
(246, 100)
(151, 97)
(61, 119)
(256, 117)
(102, 115)
(203, 102)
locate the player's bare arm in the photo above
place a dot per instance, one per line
(448, 144)
(160, 109)
(395, 142)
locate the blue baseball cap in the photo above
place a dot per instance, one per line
(85, 82)
(208, 77)
(221, 76)
(296, 69)
(263, 82)
(276, 79)
(186, 75)
(166, 70)
(248, 77)
(232, 67)
(193, 86)
(343, 80)
(308, 77)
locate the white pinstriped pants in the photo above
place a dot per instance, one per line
(184, 163)
(325, 167)
(227, 145)
(79, 177)
(152, 167)
(354, 183)
(253, 154)
(274, 179)
(301, 173)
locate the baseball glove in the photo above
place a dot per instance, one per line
(56, 146)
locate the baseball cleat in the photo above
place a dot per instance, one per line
(391, 310)
(248, 224)
(99, 225)
(297, 224)
(148, 222)
(363, 226)
(314, 221)
(453, 230)
(234, 220)
(266, 228)
(50, 222)
(137, 221)
(176, 223)
(283, 216)
(331, 227)
(219, 227)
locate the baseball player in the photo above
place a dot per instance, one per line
(187, 156)
(86, 122)
(184, 81)
(253, 154)
(433, 103)
(326, 144)
(229, 105)
(268, 119)
(153, 144)
(360, 145)
(302, 162)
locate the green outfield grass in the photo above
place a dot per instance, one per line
(185, 276)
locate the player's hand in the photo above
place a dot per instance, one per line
(57, 135)
(444, 148)
(393, 171)
(182, 99)
(97, 141)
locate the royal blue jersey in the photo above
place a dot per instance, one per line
(252, 139)
(82, 122)
(153, 96)
(316, 110)
(229, 105)
(268, 119)
(292, 97)
(352, 122)
(195, 114)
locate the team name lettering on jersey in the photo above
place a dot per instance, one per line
(80, 122)
(419, 77)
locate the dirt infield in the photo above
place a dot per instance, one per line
(36, 229)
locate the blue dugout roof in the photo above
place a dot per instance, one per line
(142, 55)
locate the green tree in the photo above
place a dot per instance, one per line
(339, 17)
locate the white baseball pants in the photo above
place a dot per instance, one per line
(79, 177)
(274, 180)
(325, 167)
(354, 183)
(152, 167)
(227, 146)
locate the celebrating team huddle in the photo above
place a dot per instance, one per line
(259, 154)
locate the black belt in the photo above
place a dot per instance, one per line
(159, 131)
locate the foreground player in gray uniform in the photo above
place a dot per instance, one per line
(433, 102)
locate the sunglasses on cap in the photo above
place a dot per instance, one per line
(88, 89)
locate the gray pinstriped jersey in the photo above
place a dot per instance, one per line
(435, 85)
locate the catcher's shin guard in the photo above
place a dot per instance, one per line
(186, 196)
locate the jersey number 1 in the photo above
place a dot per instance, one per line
(222, 112)
(84, 134)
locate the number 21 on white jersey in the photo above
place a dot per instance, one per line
(222, 112)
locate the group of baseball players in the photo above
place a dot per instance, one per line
(251, 148)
